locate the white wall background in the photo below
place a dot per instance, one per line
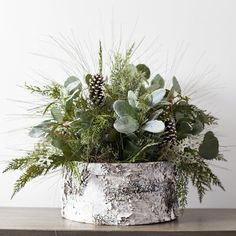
(202, 26)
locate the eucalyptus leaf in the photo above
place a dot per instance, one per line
(144, 69)
(154, 126)
(72, 83)
(132, 99)
(209, 149)
(157, 96)
(126, 124)
(56, 114)
(37, 132)
(158, 81)
(176, 85)
(40, 130)
(123, 108)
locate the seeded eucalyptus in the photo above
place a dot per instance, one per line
(129, 117)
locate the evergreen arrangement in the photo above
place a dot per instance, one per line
(124, 116)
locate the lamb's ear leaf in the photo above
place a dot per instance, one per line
(209, 149)
(176, 85)
(157, 96)
(123, 108)
(154, 126)
(144, 69)
(158, 81)
(126, 124)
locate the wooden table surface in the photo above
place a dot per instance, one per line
(48, 222)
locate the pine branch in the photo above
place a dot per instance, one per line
(52, 91)
(31, 173)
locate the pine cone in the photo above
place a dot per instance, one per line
(169, 136)
(96, 87)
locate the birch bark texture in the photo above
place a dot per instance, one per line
(121, 193)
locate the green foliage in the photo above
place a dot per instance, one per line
(128, 126)
(124, 76)
(52, 91)
(191, 167)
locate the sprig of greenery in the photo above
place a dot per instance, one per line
(52, 91)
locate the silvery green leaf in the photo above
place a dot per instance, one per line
(37, 132)
(154, 126)
(70, 80)
(41, 129)
(56, 114)
(176, 85)
(132, 99)
(122, 108)
(157, 96)
(126, 124)
(72, 83)
(158, 81)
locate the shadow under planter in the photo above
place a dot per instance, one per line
(121, 193)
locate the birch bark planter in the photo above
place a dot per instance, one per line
(121, 193)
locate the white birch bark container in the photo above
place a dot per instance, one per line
(121, 193)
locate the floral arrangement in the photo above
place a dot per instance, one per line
(126, 115)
